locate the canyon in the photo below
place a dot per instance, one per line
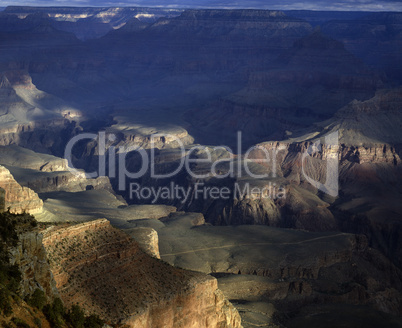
(18, 199)
(319, 93)
(146, 292)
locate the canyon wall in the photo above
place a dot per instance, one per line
(31, 258)
(147, 239)
(202, 306)
(103, 268)
(18, 199)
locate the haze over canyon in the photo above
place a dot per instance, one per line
(203, 168)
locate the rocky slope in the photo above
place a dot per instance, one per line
(306, 83)
(287, 268)
(369, 157)
(169, 76)
(235, 23)
(18, 199)
(31, 258)
(379, 32)
(97, 265)
(24, 272)
(369, 124)
(46, 182)
(367, 161)
(33, 118)
(282, 203)
(16, 156)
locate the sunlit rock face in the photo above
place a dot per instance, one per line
(18, 199)
(34, 119)
(147, 239)
(102, 267)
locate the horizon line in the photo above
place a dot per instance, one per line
(204, 7)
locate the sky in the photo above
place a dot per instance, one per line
(358, 5)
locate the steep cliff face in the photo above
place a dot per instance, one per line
(147, 239)
(18, 199)
(367, 134)
(202, 306)
(31, 258)
(369, 158)
(275, 201)
(97, 265)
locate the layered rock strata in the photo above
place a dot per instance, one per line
(102, 267)
(31, 258)
(18, 199)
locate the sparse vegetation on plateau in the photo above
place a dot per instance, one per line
(11, 225)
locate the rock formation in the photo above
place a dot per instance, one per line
(147, 239)
(286, 267)
(31, 258)
(307, 83)
(18, 199)
(199, 76)
(32, 118)
(16, 156)
(102, 267)
(374, 37)
(44, 182)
